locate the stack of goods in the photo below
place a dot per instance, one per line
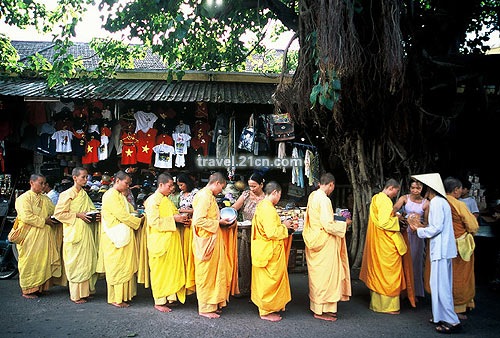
(295, 214)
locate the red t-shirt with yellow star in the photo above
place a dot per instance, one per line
(145, 144)
(129, 150)
(91, 155)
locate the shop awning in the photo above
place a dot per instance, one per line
(144, 90)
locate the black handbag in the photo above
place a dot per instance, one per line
(283, 131)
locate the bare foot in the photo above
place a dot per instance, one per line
(210, 315)
(120, 305)
(218, 311)
(325, 316)
(392, 313)
(272, 317)
(29, 295)
(163, 308)
(80, 301)
(462, 316)
(333, 314)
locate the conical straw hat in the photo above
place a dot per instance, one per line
(432, 181)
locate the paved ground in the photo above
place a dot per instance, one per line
(55, 316)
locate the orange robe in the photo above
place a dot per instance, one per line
(212, 274)
(270, 287)
(464, 287)
(326, 255)
(382, 266)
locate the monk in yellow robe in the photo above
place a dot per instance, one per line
(119, 246)
(166, 259)
(465, 226)
(326, 253)
(212, 273)
(79, 247)
(382, 266)
(270, 287)
(39, 259)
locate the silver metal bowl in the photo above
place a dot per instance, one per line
(229, 213)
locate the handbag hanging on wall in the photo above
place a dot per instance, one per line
(283, 129)
(247, 137)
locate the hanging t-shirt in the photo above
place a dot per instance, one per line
(181, 142)
(145, 144)
(129, 150)
(144, 121)
(106, 114)
(201, 139)
(163, 155)
(63, 140)
(103, 148)
(78, 143)
(164, 139)
(91, 152)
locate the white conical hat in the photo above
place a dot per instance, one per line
(433, 181)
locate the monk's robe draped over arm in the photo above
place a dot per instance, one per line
(205, 213)
(116, 209)
(383, 218)
(32, 210)
(152, 209)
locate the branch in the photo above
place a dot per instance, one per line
(285, 14)
(285, 54)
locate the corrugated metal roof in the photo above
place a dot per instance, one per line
(145, 90)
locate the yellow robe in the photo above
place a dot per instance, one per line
(465, 225)
(326, 255)
(270, 287)
(120, 264)
(212, 275)
(187, 245)
(382, 267)
(79, 248)
(39, 258)
(166, 259)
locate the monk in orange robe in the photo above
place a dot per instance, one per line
(270, 287)
(382, 267)
(465, 226)
(212, 271)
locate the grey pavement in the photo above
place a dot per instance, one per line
(55, 315)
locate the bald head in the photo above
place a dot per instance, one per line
(217, 177)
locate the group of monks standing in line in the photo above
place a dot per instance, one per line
(72, 244)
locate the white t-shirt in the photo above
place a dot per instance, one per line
(106, 114)
(63, 141)
(144, 121)
(181, 142)
(102, 151)
(163, 155)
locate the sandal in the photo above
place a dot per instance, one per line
(448, 328)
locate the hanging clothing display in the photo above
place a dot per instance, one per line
(91, 152)
(144, 121)
(78, 143)
(45, 144)
(63, 140)
(163, 155)
(103, 148)
(281, 152)
(201, 139)
(145, 144)
(181, 145)
(164, 139)
(129, 150)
